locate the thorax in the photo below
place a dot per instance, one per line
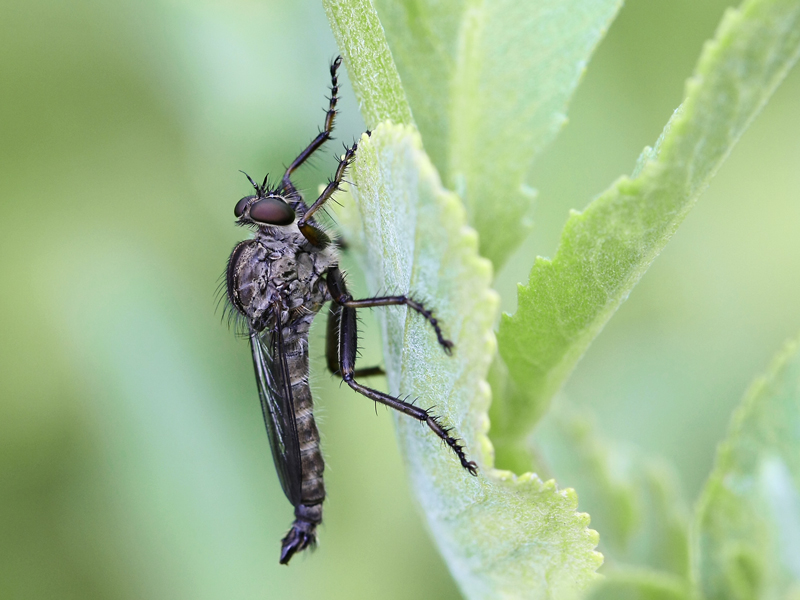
(278, 270)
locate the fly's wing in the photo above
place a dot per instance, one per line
(277, 404)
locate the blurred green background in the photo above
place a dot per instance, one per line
(133, 458)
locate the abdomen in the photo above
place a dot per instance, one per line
(312, 464)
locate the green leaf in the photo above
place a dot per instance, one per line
(634, 500)
(487, 82)
(641, 584)
(748, 518)
(368, 60)
(605, 249)
(501, 535)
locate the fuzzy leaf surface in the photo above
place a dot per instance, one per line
(748, 521)
(369, 62)
(488, 83)
(501, 535)
(606, 249)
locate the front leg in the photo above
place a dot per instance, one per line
(348, 349)
(323, 135)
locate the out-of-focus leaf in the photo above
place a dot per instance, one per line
(501, 535)
(488, 83)
(634, 500)
(605, 249)
(641, 584)
(748, 521)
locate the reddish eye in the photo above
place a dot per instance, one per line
(239, 208)
(272, 211)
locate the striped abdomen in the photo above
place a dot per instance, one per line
(312, 488)
(308, 513)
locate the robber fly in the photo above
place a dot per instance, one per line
(276, 283)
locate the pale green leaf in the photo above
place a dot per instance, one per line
(368, 60)
(487, 82)
(748, 521)
(501, 535)
(634, 500)
(605, 249)
(641, 584)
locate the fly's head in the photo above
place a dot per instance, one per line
(265, 208)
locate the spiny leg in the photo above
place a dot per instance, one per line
(312, 233)
(348, 342)
(340, 295)
(411, 303)
(323, 135)
(332, 346)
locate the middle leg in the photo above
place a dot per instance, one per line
(348, 348)
(312, 233)
(332, 346)
(340, 296)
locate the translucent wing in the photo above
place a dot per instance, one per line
(277, 405)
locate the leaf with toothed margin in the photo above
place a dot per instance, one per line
(501, 535)
(606, 249)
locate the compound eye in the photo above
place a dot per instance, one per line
(239, 208)
(272, 211)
